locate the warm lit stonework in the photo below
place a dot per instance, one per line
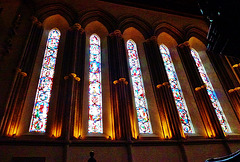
(124, 81)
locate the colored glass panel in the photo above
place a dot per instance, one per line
(43, 94)
(211, 92)
(177, 91)
(95, 87)
(138, 88)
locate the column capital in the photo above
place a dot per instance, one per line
(152, 38)
(77, 26)
(117, 33)
(36, 21)
(185, 44)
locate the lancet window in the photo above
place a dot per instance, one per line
(138, 88)
(43, 94)
(211, 93)
(95, 86)
(177, 91)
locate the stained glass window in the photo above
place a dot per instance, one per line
(95, 87)
(138, 88)
(43, 94)
(211, 92)
(177, 91)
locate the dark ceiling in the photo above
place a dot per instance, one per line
(174, 6)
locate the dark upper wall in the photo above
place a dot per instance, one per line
(110, 12)
(15, 24)
(189, 7)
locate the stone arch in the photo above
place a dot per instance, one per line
(136, 22)
(171, 30)
(192, 31)
(57, 8)
(103, 17)
(197, 44)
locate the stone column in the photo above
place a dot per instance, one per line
(69, 111)
(169, 118)
(206, 110)
(14, 106)
(122, 107)
(228, 77)
(235, 63)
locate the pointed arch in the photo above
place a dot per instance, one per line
(62, 9)
(170, 29)
(192, 31)
(103, 17)
(177, 91)
(138, 88)
(136, 22)
(43, 94)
